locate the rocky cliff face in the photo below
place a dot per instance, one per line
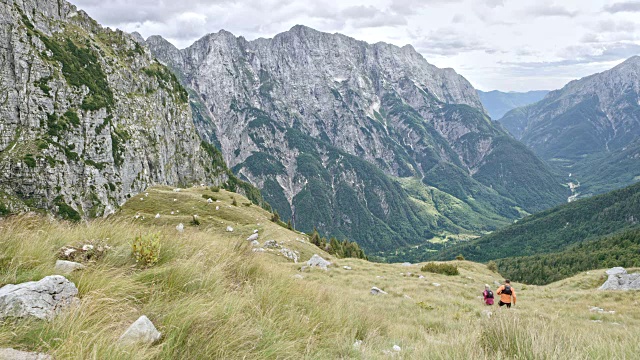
(590, 128)
(87, 116)
(323, 122)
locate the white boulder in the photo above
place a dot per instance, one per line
(318, 261)
(180, 227)
(377, 291)
(13, 354)
(209, 200)
(157, 216)
(346, 267)
(40, 299)
(142, 331)
(397, 348)
(65, 267)
(229, 229)
(252, 237)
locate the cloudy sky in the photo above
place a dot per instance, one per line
(510, 45)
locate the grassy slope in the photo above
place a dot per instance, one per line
(212, 297)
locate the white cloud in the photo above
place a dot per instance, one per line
(504, 44)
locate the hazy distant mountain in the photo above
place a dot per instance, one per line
(498, 103)
(590, 128)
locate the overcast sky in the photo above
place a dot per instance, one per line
(511, 45)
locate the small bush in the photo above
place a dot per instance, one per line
(460, 257)
(29, 160)
(195, 221)
(146, 249)
(491, 265)
(445, 269)
(214, 189)
(234, 202)
(275, 217)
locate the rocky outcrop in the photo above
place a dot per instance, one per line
(323, 123)
(619, 279)
(40, 299)
(88, 116)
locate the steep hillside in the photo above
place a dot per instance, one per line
(88, 116)
(323, 122)
(212, 297)
(556, 229)
(497, 103)
(589, 129)
(606, 252)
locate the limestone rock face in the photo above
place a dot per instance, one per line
(80, 142)
(323, 122)
(40, 299)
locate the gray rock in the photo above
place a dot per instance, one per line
(346, 267)
(435, 284)
(252, 237)
(142, 331)
(180, 227)
(65, 267)
(40, 299)
(619, 280)
(13, 354)
(289, 254)
(255, 243)
(397, 348)
(407, 264)
(616, 271)
(377, 291)
(317, 261)
(229, 229)
(271, 244)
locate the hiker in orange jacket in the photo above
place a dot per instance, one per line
(507, 294)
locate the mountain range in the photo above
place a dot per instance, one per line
(589, 129)
(364, 141)
(497, 103)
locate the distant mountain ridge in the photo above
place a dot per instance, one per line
(589, 129)
(497, 103)
(325, 124)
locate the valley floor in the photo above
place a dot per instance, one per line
(211, 296)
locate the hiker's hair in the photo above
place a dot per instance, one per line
(507, 281)
(486, 286)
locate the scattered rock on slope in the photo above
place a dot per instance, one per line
(13, 354)
(377, 291)
(317, 260)
(620, 280)
(65, 267)
(41, 299)
(142, 331)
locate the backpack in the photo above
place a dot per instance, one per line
(507, 290)
(489, 294)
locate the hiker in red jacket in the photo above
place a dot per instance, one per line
(488, 295)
